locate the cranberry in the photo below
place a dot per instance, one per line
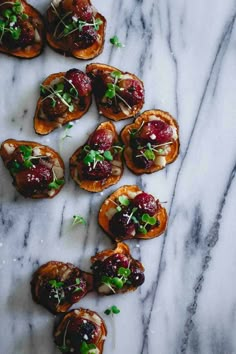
(81, 330)
(113, 263)
(83, 10)
(34, 179)
(121, 224)
(85, 38)
(102, 170)
(140, 160)
(27, 35)
(79, 80)
(101, 139)
(53, 107)
(131, 91)
(156, 131)
(136, 277)
(146, 203)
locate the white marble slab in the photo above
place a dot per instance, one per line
(185, 53)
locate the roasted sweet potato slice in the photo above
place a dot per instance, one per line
(75, 28)
(43, 122)
(80, 331)
(57, 285)
(122, 215)
(22, 29)
(119, 95)
(150, 156)
(101, 172)
(37, 170)
(116, 271)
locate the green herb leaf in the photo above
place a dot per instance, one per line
(64, 348)
(149, 154)
(56, 184)
(87, 348)
(15, 167)
(116, 74)
(7, 13)
(107, 155)
(117, 282)
(118, 208)
(24, 17)
(56, 284)
(124, 271)
(124, 200)
(26, 151)
(143, 230)
(116, 42)
(77, 219)
(112, 310)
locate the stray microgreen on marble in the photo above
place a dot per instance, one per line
(116, 42)
(113, 310)
(67, 128)
(77, 219)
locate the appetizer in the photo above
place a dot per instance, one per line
(151, 142)
(115, 271)
(37, 170)
(57, 285)
(131, 213)
(21, 29)
(75, 28)
(64, 97)
(97, 164)
(119, 95)
(80, 331)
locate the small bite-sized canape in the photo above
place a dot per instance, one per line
(119, 95)
(116, 271)
(81, 331)
(130, 213)
(37, 170)
(57, 285)
(97, 164)
(64, 97)
(75, 28)
(21, 29)
(151, 142)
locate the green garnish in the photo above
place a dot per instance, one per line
(148, 220)
(112, 310)
(64, 348)
(116, 42)
(88, 348)
(112, 89)
(67, 128)
(124, 200)
(9, 20)
(58, 91)
(58, 289)
(56, 183)
(117, 282)
(77, 219)
(72, 24)
(94, 156)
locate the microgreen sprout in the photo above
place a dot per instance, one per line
(117, 282)
(88, 348)
(72, 24)
(116, 42)
(77, 219)
(113, 89)
(148, 220)
(149, 152)
(113, 310)
(124, 200)
(131, 214)
(58, 289)
(56, 183)
(94, 156)
(8, 22)
(133, 132)
(57, 91)
(67, 128)
(64, 348)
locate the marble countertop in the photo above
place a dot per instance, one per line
(185, 52)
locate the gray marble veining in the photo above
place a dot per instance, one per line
(185, 52)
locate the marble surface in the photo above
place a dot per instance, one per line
(185, 52)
